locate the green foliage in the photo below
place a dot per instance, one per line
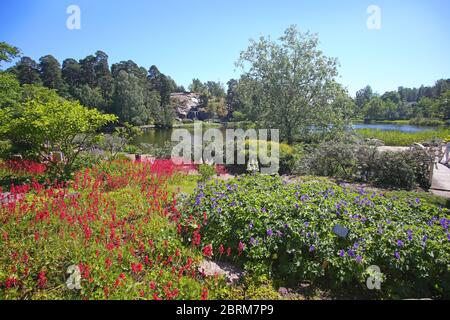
(26, 71)
(286, 153)
(405, 103)
(50, 72)
(119, 139)
(206, 171)
(360, 160)
(285, 231)
(9, 90)
(8, 52)
(238, 116)
(45, 123)
(290, 85)
(427, 122)
(403, 170)
(130, 99)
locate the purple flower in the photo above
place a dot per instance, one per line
(358, 259)
(252, 241)
(400, 243)
(417, 200)
(269, 232)
(307, 224)
(341, 253)
(251, 225)
(351, 253)
(397, 255)
(312, 248)
(444, 223)
(409, 233)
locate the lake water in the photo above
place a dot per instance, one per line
(159, 136)
(393, 127)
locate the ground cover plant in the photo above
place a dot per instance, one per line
(285, 231)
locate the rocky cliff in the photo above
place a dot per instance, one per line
(188, 105)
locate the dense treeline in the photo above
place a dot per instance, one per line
(405, 103)
(134, 94)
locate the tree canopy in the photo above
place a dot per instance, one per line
(291, 85)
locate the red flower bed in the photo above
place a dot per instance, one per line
(115, 222)
(25, 167)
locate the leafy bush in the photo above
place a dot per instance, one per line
(45, 123)
(285, 231)
(286, 155)
(360, 160)
(206, 171)
(404, 170)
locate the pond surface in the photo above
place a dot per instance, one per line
(158, 137)
(393, 127)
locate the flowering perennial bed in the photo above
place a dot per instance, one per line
(286, 231)
(115, 222)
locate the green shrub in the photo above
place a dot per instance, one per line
(286, 155)
(403, 170)
(206, 171)
(360, 160)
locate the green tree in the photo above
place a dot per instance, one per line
(234, 104)
(89, 97)
(198, 87)
(130, 99)
(443, 105)
(27, 71)
(374, 109)
(215, 89)
(50, 73)
(104, 80)
(71, 73)
(363, 96)
(88, 75)
(8, 52)
(294, 83)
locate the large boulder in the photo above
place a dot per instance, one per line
(186, 104)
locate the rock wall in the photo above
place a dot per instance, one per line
(187, 105)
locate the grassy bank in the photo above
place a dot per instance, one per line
(396, 138)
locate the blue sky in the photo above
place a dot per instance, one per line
(203, 38)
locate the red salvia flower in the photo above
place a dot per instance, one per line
(208, 251)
